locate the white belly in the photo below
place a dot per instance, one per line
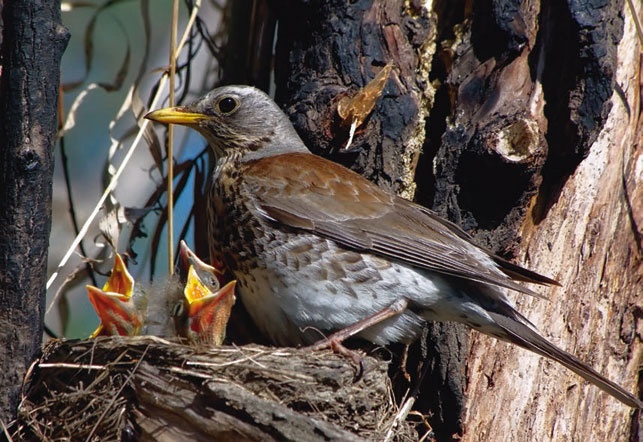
(330, 290)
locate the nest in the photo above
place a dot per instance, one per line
(147, 388)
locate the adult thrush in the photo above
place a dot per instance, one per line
(317, 248)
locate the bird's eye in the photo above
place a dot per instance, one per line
(227, 104)
(213, 282)
(179, 310)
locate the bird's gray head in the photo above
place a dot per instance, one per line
(240, 118)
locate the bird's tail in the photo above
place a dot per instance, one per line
(520, 332)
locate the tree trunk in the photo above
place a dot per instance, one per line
(32, 43)
(516, 152)
(590, 241)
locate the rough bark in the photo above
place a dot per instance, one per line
(33, 40)
(525, 92)
(330, 49)
(589, 238)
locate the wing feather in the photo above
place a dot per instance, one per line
(309, 193)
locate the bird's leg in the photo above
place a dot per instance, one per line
(341, 335)
(335, 340)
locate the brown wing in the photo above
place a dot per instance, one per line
(307, 192)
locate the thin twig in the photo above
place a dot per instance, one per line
(68, 187)
(5, 431)
(170, 143)
(71, 365)
(399, 417)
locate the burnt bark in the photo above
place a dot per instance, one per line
(585, 231)
(330, 49)
(33, 40)
(327, 50)
(524, 93)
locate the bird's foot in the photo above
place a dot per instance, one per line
(335, 341)
(335, 344)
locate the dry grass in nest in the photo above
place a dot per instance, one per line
(147, 388)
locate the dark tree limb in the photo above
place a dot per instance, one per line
(33, 40)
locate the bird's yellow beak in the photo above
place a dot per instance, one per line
(197, 269)
(120, 281)
(176, 115)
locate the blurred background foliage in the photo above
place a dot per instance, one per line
(118, 48)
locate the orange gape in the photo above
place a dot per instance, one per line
(206, 310)
(120, 309)
(191, 305)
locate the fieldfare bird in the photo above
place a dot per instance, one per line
(203, 314)
(316, 247)
(119, 306)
